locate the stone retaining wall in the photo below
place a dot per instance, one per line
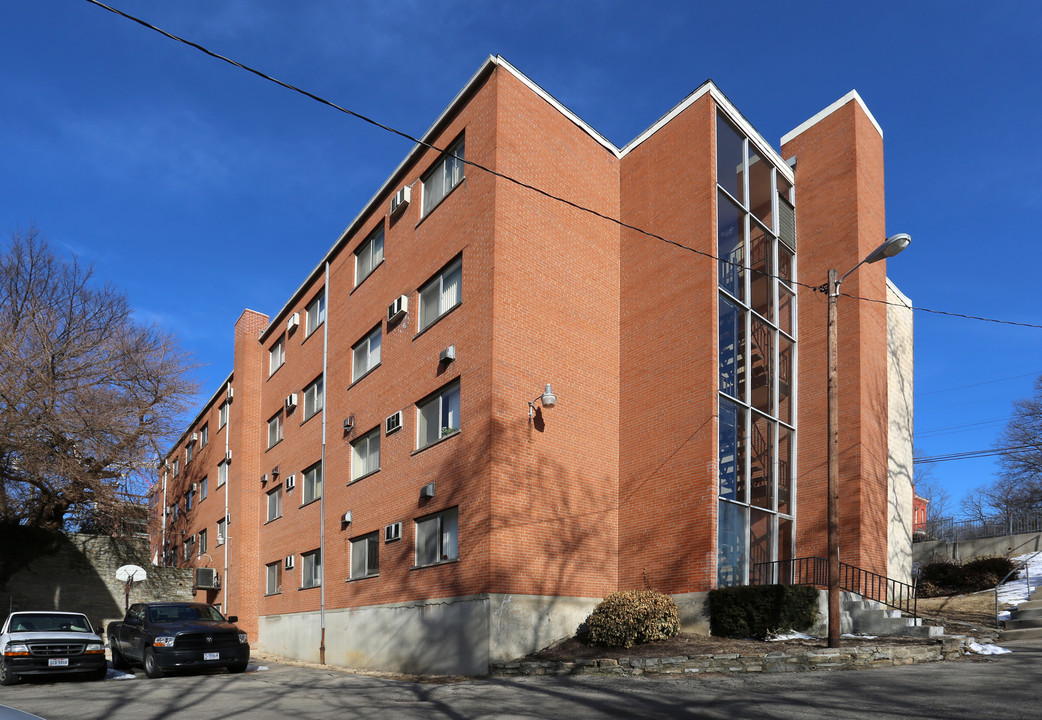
(947, 648)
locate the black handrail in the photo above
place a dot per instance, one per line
(814, 571)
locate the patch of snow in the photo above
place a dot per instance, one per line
(114, 674)
(862, 637)
(789, 636)
(988, 649)
(255, 668)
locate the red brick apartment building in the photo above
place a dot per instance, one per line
(382, 483)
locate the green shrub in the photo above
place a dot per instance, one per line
(758, 610)
(630, 617)
(950, 578)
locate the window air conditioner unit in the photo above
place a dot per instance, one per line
(195, 437)
(291, 482)
(264, 479)
(290, 561)
(393, 423)
(398, 308)
(291, 401)
(228, 456)
(293, 322)
(349, 422)
(231, 392)
(346, 517)
(275, 471)
(401, 199)
(427, 491)
(448, 354)
(393, 532)
(195, 487)
(206, 578)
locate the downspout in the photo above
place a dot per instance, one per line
(322, 497)
(162, 547)
(226, 582)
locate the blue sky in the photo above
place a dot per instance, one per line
(202, 190)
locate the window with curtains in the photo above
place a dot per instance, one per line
(315, 314)
(366, 354)
(365, 556)
(369, 255)
(311, 572)
(438, 416)
(365, 455)
(273, 584)
(437, 538)
(441, 293)
(446, 174)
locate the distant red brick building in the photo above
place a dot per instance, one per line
(381, 481)
(919, 508)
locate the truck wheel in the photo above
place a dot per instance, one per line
(7, 677)
(152, 668)
(119, 662)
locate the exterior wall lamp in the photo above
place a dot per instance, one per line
(893, 245)
(548, 400)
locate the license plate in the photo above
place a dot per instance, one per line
(212, 656)
(58, 662)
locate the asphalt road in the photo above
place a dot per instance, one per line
(1005, 686)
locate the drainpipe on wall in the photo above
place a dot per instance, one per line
(162, 546)
(226, 582)
(322, 497)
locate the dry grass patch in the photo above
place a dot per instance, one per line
(976, 609)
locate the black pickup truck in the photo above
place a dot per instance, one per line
(168, 636)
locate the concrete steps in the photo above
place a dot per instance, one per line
(1025, 622)
(867, 617)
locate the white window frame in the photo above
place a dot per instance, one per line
(441, 528)
(446, 174)
(222, 531)
(312, 484)
(273, 580)
(369, 255)
(365, 455)
(202, 542)
(189, 448)
(365, 355)
(188, 500)
(277, 355)
(315, 314)
(176, 467)
(441, 411)
(275, 430)
(204, 490)
(222, 473)
(314, 398)
(361, 550)
(441, 293)
(222, 415)
(204, 436)
(310, 569)
(274, 500)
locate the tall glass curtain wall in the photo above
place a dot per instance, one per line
(756, 243)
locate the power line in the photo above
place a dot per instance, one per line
(971, 454)
(986, 382)
(816, 288)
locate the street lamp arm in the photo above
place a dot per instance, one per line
(890, 247)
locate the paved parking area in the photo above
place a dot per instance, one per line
(999, 686)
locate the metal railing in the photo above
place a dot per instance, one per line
(814, 571)
(952, 530)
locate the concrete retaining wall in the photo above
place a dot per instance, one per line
(939, 550)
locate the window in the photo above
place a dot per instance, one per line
(273, 584)
(275, 504)
(277, 355)
(222, 417)
(311, 573)
(177, 468)
(369, 255)
(445, 175)
(313, 397)
(204, 436)
(188, 453)
(222, 473)
(202, 542)
(204, 490)
(438, 416)
(437, 538)
(222, 531)
(315, 314)
(365, 556)
(366, 354)
(188, 501)
(312, 483)
(441, 293)
(186, 549)
(365, 455)
(173, 513)
(275, 430)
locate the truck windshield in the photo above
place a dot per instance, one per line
(183, 613)
(47, 622)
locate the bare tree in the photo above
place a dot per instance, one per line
(88, 396)
(1021, 446)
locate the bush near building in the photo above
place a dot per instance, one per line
(952, 578)
(756, 611)
(631, 617)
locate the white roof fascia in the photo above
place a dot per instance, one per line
(852, 95)
(904, 299)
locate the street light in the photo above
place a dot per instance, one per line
(893, 245)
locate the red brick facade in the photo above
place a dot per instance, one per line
(616, 486)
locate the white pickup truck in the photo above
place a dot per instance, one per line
(50, 642)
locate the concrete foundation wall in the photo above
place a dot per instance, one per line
(938, 550)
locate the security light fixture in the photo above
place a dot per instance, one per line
(548, 400)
